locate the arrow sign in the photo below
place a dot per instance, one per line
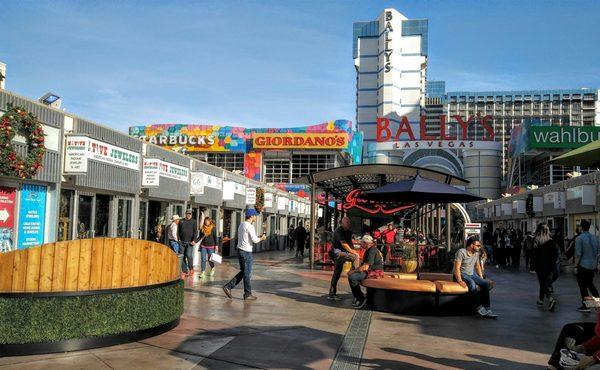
(4, 215)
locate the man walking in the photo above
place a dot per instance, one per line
(469, 274)
(300, 235)
(246, 237)
(341, 252)
(172, 233)
(188, 235)
(586, 259)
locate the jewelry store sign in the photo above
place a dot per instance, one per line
(154, 169)
(80, 149)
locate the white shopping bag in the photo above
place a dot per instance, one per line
(216, 258)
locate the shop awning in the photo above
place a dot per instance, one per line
(585, 156)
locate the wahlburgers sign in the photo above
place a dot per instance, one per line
(562, 137)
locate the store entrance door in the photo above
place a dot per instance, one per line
(84, 217)
(142, 220)
(157, 220)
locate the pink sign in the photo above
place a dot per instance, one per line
(7, 207)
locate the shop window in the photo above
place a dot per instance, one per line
(227, 161)
(142, 230)
(124, 218)
(65, 216)
(305, 164)
(84, 217)
(102, 215)
(277, 171)
(157, 220)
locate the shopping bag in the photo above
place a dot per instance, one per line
(216, 258)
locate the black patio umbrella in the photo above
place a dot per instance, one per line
(421, 191)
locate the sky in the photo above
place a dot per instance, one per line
(274, 63)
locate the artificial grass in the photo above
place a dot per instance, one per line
(32, 320)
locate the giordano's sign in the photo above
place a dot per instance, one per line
(300, 140)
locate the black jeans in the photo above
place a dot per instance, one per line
(585, 280)
(545, 280)
(300, 247)
(580, 331)
(339, 258)
(187, 249)
(354, 280)
(245, 273)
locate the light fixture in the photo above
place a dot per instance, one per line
(51, 100)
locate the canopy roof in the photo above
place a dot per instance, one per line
(340, 181)
(421, 191)
(585, 156)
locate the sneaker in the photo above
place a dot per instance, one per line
(490, 315)
(212, 272)
(183, 275)
(333, 297)
(227, 292)
(552, 305)
(481, 311)
(540, 303)
(356, 301)
(361, 305)
(584, 309)
(202, 275)
(250, 298)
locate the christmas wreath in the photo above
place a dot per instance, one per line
(259, 205)
(18, 121)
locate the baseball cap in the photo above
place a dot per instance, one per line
(367, 239)
(188, 211)
(251, 212)
(175, 217)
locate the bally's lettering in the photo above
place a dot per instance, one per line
(405, 130)
(388, 49)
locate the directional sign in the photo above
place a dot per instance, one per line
(7, 207)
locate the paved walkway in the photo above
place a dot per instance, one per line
(293, 325)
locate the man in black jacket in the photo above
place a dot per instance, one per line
(300, 235)
(188, 234)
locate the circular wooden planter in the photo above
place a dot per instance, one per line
(86, 293)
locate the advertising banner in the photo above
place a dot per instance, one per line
(228, 190)
(173, 171)
(300, 141)
(80, 149)
(251, 196)
(268, 200)
(240, 189)
(76, 154)
(213, 182)
(562, 137)
(7, 218)
(472, 229)
(197, 183)
(281, 203)
(32, 215)
(151, 173)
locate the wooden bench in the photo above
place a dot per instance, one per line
(422, 294)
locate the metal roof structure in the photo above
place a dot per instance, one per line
(340, 181)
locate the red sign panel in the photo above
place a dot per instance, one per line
(7, 207)
(353, 201)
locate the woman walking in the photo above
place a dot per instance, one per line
(208, 246)
(545, 256)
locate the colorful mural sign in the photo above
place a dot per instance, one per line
(189, 139)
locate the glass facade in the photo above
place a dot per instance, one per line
(363, 29)
(417, 27)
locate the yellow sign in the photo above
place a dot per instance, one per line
(300, 141)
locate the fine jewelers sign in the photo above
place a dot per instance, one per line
(80, 149)
(151, 174)
(251, 196)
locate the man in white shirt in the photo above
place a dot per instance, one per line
(246, 236)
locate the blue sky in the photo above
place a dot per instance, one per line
(274, 63)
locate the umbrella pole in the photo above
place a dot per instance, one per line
(417, 244)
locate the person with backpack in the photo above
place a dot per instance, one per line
(545, 255)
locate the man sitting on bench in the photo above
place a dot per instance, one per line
(469, 274)
(372, 267)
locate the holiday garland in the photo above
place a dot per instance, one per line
(18, 121)
(259, 205)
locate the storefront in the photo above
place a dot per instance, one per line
(165, 190)
(234, 205)
(101, 182)
(28, 205)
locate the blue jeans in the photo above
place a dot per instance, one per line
(354, 280)
(245, 259)
(174, 245)
(204, 256)
(188, 257)
(483, 295)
